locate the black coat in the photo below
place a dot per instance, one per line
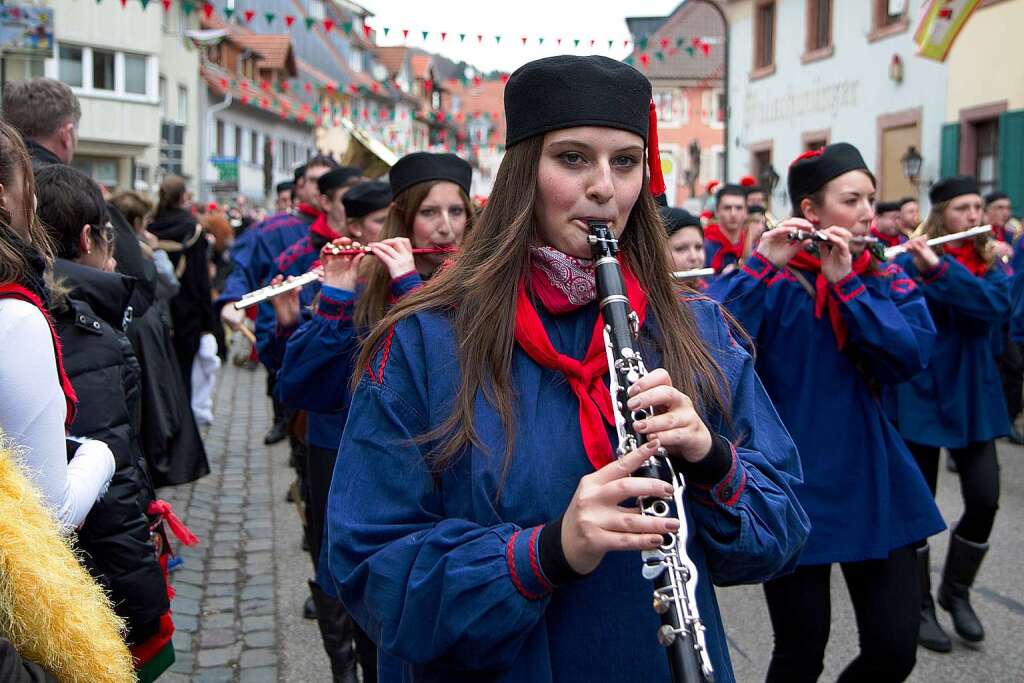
(105, 373)
(170, 439)
(192, 308)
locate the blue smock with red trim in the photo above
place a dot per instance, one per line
(444, 575)
(957, 399)
(862, 490)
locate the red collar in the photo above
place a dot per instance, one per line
(322, 228)
(967, 254)
(806, 261)
(714, 233)
(307, 210)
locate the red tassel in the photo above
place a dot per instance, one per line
(163, 509)
(657, 181)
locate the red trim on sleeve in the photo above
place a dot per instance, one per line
(934, 275)
(766, 267)
(510, 560)
(837, 288)
(378, 377)
(534, 564)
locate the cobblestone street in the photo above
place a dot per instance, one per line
(240, 593)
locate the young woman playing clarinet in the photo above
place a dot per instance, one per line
(479, 524)
(956, 402)
(830, 328)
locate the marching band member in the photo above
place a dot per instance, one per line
(887, 224)
(685, 242)
(477, 502)
(725, 240)
(952, 404)
(850, 324)
(910, 215)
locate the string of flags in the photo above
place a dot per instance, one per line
(659, 47)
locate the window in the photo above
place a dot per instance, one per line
(162, 94)
(238, 141)
(663, 103)
(764, 36)
(762, 161)
(219, 145)
(141, 183)
(103, 171)
(102, 70)
(888, 17)
(182, 104)
(22, 67)
(172, 142)
(316, 9)
(987, 159)
(713, 107)
(254, 147)
(70, 69)
(355, 59)
(819, 24)
(134, 74)
(812, 144)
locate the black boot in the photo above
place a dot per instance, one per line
(930, 636)
(336, 630)
(962, 565)
(278, 433)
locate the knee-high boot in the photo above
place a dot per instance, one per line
(336, 630)
(962, 564)
(931, 635)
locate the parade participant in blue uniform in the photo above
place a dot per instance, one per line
(910, 216)
(847, 324)
(887, 224)
(724, 239)
(320, 356)
(954, 403)
(685, 242)
(998, 212)
(475, 504)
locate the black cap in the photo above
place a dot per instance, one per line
(951, 187)
(419, 167)
(730, 189)
(886, 207)
(334, 179)
(567, 91)
(300, 172)
(811, 170)
(677, 219)
(286, 186)
(907, 200)
(365, 198)
(995, 197)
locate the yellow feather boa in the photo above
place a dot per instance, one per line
(51, 609)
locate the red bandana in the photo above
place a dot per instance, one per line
(968, 256)
(806, 261)
(887, 240)
(713, 233)
(563, 283)
(585, 377)
(323, 229)
(304, 208)
(13, 291)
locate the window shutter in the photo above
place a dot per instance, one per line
(1011, 157)
(949, 163)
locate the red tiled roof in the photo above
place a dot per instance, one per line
(484, 99)
(421, 66)
(392, 57)
(275, 50)
(220, 81)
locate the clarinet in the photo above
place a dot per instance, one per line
(671, 569)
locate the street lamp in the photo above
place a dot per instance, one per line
(769, 179)
(911, 162)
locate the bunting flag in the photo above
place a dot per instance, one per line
(940, 25)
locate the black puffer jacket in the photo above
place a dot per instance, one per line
(105, 374)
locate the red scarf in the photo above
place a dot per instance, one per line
(13, 291)
(304, 208)
(713, 233)
(563, 283)
(806, 261)
(887, 240)
(968, 256)
(323, 229)
(585, 377)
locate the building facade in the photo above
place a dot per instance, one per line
(983, 134)
(803, 73)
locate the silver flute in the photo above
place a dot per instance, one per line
(270, 291)
(670, 568)
(936, 241)
(692, 274)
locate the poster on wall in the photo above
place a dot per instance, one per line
(26, 29)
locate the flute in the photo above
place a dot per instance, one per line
(270, 291)
(695, 273)
(936, 241)
(357, 249)
(813, 235)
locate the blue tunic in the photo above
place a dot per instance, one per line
(443, 575)
(862, 489)
(253, 261)
(711, 249)
(957, 400)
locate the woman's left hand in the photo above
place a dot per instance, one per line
(675, 423)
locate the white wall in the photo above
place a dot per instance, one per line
(179, 65)
(845, 93)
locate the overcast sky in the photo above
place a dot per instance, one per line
(602, 20)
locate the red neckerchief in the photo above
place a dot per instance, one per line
(887, 240)
(713, 233)
(585, 377)
(322, 228)
(806, 261)
(563, 283)
(968, 256)
(306, 209)
(13, 291)
(999, 232)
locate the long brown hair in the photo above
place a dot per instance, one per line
(935, 226)
(479, 293)
(373, 302)
(14, 267)
(172, 189)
